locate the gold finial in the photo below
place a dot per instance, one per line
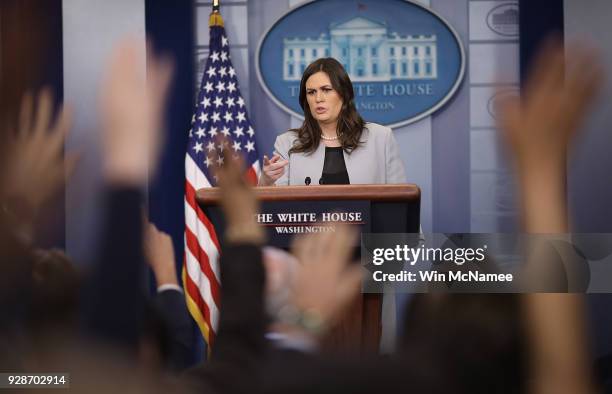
(215, 18)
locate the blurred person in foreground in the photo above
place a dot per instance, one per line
(36, 291)
(131, 109)
(112, 299)
(479, 340)
(539, 127)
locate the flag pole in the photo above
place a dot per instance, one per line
(215, 16)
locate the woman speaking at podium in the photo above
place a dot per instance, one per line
(334, 145)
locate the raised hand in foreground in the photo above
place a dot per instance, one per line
(539, 128)
(132, 106)
(35, 168)
(326, 282)
(239, 203)
(35, 165)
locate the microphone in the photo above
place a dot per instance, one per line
(307, 181)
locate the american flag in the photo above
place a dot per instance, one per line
(219, 112)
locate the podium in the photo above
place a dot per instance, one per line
(379, 208)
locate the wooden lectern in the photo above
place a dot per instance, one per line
(390, 209)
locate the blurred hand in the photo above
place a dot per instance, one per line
(281, 268)
(35, 164)
(273, 169)
(539, 127)
(131, 111)
(326, 283)
(238, 202)
(159, 253)
(554, 101)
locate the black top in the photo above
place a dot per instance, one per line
(334, 168)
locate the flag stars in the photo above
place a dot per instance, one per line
(208, 161)
(225, 131)
(220, 125)
(211, 72)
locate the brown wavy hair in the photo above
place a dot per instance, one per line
(350, 124)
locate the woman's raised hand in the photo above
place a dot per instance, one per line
(273, 169)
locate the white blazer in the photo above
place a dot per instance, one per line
(376, 160)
